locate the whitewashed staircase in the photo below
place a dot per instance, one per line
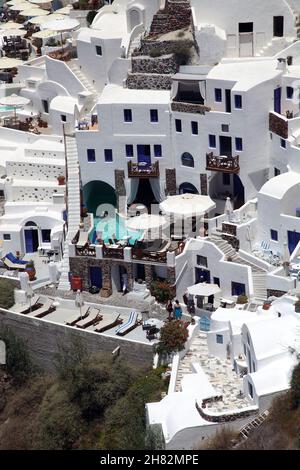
(82, 77)
(258, 274)
(73, 183)
(135, 44)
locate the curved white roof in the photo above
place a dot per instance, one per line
(273, 378)
(278, 186)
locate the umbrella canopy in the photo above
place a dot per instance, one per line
(11, 25)
(187, 205)
(146, 222)
(39, 20)
(31, 11)
(41, 2)
(13, 32)
(9, 63)
(44, 34)
(16, 2)
(19, 6)
(203, 289)
(66, 24)
(14, 100)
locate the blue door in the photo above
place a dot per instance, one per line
(204, 323)
(96, 276)
(293, 240)
(31, 240)
(144, 154)
(202, 275)
(237, 288)
(277, 100)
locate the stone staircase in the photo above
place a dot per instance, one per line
(73, 195)
(258, 274)
(176, 15)
(82, 77)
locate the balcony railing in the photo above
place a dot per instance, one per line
(193, 108)
(222, 163)
(88, 251)
(140, 170)
(116, 253)
(279, 125)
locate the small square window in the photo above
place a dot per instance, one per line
(212, 141)
(274, 235)
(98, 50)
(283, 143)
(225, 128)
(238, 101)
(202, 261)
(194, 125)
(127, 115)
(153, 115)
(289, 92)
(6, 236)
(91, 155)
(63, 117)
(129, 150)
(178, 125)
(157, 150)
(219, 339)
(238, 144)
(46, 236)
(218, 95)
(108, 155)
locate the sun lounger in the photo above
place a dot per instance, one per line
(129, 325)
(26, 308)
(11, 262)
(83, 239)
(44, 310)
(76, 317)
(108, 322)
(92, 318)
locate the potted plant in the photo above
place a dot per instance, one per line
(30, 270)
(267, 304)
(61, 180)
(242, 299)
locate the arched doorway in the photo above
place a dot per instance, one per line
(187, 160)
(97, 194)
(135, 18)
(31, 236)
(188, 188)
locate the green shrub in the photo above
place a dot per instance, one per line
(18, 360)
(182, 52)
(173, 336)
(242, 300)
(162, 291)
(6, 294)
(90, 16)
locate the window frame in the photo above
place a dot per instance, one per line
(127, 113)
(239, 144)
(89, 159)
(194, 127)
(238, 102)
(178, 123)
(155, 112)
(131, 147)
(214, 137)
(218, 95)
(157, 147)
(110, 152)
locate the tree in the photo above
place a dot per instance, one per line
(173, 336)
(6, 294)
(295, 387)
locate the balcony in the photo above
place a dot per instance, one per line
(279, 125)
(143, 170)
(222, 163)
(113, 252)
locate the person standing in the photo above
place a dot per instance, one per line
(169, 308)
(177, 310)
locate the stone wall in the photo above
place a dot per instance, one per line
(204, 184)
(176, 15)
(81, 267)
(189, 108)
(137, 81)
(43, 339)
(233, 241)
(275, 293)
(226, 418)
(165, 47)
(171, 181)
(166, 65)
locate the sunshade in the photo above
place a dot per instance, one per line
(187, 205)
(45, 33)
(11, 25)
(9, 63)
(203, 289)
(146, 222)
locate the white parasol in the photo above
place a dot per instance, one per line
(31, 11)
(146, 222)
(44, 34)
(187, 205)
(9, 63)
(42, 20)
(11, 25)
(15, 101)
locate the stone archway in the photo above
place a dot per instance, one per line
(98, 193)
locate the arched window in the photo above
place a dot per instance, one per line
(30, 224)
(188, 188)
(187, 160)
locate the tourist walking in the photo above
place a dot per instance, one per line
(169, 308)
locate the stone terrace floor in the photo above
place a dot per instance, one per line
(220, 374)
